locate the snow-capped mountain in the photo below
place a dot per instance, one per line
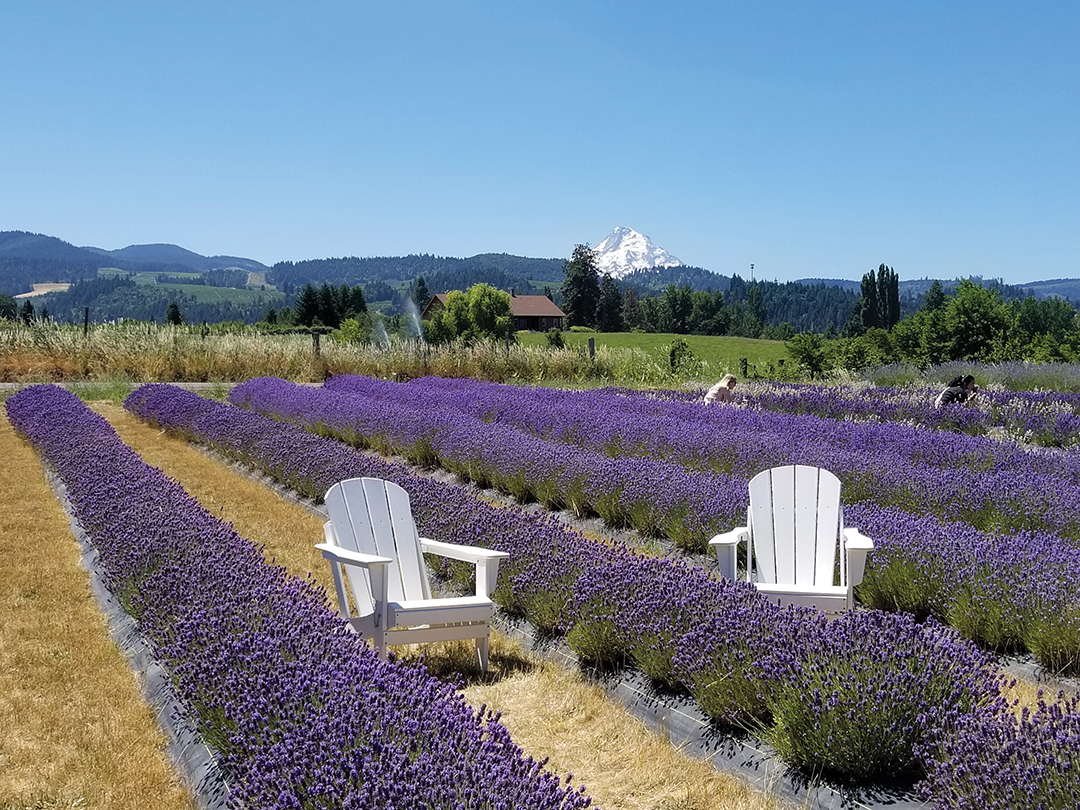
(625, 250)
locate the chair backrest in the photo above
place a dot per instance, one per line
(795, 525)
(373, 516)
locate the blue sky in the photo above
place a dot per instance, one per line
(811, 139)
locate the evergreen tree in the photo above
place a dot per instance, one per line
(632, 315)
(328, 306)
(27, 312)
(869, 315)
(581, 288)
(421, 296)
(353, 304)
(173, 316)
(888, 284)
(755, 300)
(609, 310)
(8, 308)
(306, 309)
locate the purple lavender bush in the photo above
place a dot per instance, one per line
(1002, 760)
(862, 695)
(301, 712)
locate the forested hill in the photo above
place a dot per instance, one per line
(32, 258)
(118, 298)
(441, 273)
(29, 258)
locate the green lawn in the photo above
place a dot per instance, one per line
(721, 353)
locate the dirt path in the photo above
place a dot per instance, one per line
(74, 729)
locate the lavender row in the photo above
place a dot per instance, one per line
(655, 497)
(1043, 418)
(866, 695)
(1048, 419)
(301, 712)
(1007, 592)
(992, 485)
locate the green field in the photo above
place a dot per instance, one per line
(722, 354)
(151, 278)
(204, 294)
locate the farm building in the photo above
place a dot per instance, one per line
(536, 313)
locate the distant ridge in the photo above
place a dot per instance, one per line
(178, 256)
(27, 258)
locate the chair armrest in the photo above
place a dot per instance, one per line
(456, 551)
(726, 546)
(486, 561)
(857, 545)
(854, 539)
(341, 555)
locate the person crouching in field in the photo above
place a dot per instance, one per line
(722, 391)
(961, 389)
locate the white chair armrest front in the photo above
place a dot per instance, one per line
(376, 567)
(486, 561)
(338, 554)
(456, 551)
(857, 545)
(726, 546)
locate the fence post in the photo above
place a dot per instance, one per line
(315, 343)
(205, 329)
(86, 321)
(592, 348)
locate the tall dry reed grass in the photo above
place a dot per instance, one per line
(146, 352)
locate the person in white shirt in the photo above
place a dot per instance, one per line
(722, 391)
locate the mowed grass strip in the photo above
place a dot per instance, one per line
(74, 729)
(550, 712)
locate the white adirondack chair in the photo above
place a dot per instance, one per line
(372, 542)
(795, 527)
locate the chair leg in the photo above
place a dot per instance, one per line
(482, 652)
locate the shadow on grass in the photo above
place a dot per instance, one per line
(455, 661)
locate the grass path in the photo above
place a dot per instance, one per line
(550, 712)
(74, 729)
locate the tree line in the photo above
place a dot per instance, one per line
(756, 309)
(119, 298)
(971, 323)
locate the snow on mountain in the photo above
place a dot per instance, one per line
(625, 250)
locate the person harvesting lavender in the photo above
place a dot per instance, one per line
(722, 391)
(960, 389)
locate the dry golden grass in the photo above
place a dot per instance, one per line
(622, 764)
(1027, 694)
(550, 712)
(74, 730)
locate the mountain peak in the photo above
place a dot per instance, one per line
(625, 250)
